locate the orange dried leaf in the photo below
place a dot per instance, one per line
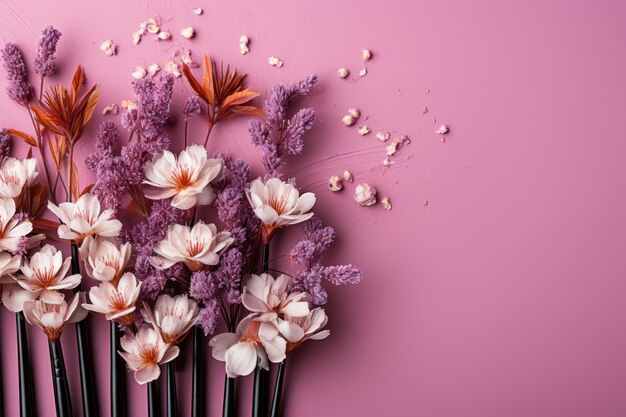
(24, 136)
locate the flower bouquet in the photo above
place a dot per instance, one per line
(172, 244)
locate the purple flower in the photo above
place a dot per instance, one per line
(191, 107)
(308, 253)
(153, 97)
(5, 144)
(47, 46)
(18, 90)
(207, 317)
(280, 134)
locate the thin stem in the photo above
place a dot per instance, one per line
(198, 405)
(62, 399)
(260, 392)
(118, 403)
(70, 173)
(172, 401)
(154, 406)
(85, 364)
(27, 396)
(186, 124)
(42, 153)
(278, 391)
(41, 87)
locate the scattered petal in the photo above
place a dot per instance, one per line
(366, 54)
(108, 47)
(152, 26)
(139, 72)
(275, 62)
(172, 68)
(443, 129)
(164, 36)
(363, 72)
(348, 120)
(188, 32)
(197, 11)
(334, 183)
(386, 203)
(354, 112)
(243, 44)
(153, 69)
(365, 194)
(363, 130)
(343, 72)
(347, 176)
(110, 109)
(383, 136)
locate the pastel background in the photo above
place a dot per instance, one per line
(495, 287)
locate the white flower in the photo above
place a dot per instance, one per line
(116, 303)
(265, 295)
(254, 343)
(83, 218)
(299, 329)
(9, 264)
(185, 178)
(15, 174)
(51, 318)
(144, 352)
(45, 274)
(104, 260)
(279, 204)
(197, 247)
(173, 317)
(12, 231)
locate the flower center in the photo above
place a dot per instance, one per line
(45, 276)
(182, 176)
(194, 246)
(10, 177)
(149, 354)
(117, 301)
(82, 214)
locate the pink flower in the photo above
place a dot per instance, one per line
(13, 231)
(265, 295)
(299, 329)
(104, 260)
(185, 178)
(83, 218)
(254, 343)
(116, 303)
(279, 204)
(14, 297)
(173, 317)
(144, 352)
(51, 318)
(45, 274)
(197, 247)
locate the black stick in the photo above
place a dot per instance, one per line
(278, 391)
(172, 401)
(260, 391)
(118, 382)
(2, 392)
(62, 399)
(154, 405)
(198, 405)
(228, 406)
(87, 382)
(27, 395)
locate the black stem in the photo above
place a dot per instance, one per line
(27, 395)
(62, 398)
(198, 405)
(2, 392)
(154, 406)
(278, 391)
(118, 381)
(260, 391)
(85, 364)
(172, 401)
(228, 406)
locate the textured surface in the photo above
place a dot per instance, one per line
(503, 296)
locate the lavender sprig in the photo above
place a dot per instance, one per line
(278, 134)
(46, 48)
(19, 90)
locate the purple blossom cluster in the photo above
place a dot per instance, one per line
(5, 144)
(278, 134)
(18, 90)
(117, 174)
(308, 253)
(46, 48)
(192, 106)
(153, 99)
(143, 237)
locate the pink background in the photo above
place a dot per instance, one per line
(504, 295)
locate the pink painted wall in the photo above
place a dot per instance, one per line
(504, 295)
